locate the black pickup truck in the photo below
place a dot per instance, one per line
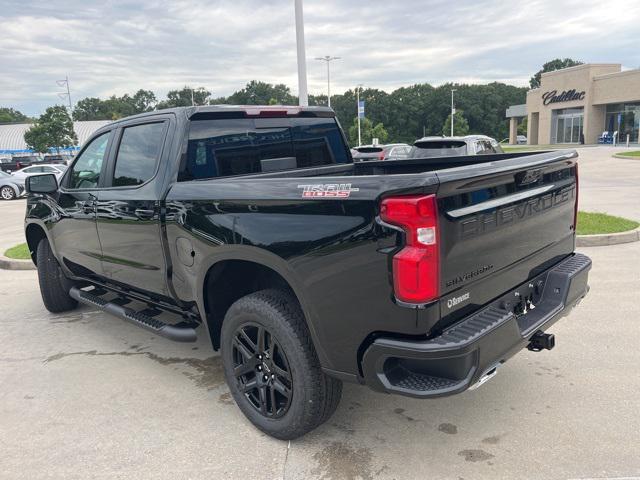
(416, 277)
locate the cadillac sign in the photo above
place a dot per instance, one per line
(566, 96)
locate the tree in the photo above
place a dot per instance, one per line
(369, 131)
(460, 125)
(53, 130)
(114, 107)
(555, 64)
(186, 97)
(261, 93)
(9, 115)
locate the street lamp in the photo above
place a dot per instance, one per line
(303, 95)
(328, 59)
(453, 110)
(358, 88)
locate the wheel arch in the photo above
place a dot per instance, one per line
(34, 233)
(223, 280)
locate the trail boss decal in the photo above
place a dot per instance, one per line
(327, 190)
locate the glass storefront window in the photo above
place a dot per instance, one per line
(567, 125)
(624, 119)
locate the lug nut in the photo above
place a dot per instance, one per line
(265, 378)
(259, 367)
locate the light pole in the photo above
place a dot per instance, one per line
(358, 88)
(303, 95)
(328, 59)
(453, 110)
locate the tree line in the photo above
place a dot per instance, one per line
(403, 115)
(400, 116)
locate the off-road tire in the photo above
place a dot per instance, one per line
(54, 285)
(315, 395)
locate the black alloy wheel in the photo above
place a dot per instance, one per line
(262, 370)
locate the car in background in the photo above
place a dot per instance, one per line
(21, 175)
(455, 146)
(9, 188)
(392, 151)
(11, 164)
(58, 159)
(520, 140)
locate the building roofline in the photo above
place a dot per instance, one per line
(580, 67)
(635, 71)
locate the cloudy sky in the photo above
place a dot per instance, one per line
(114, 47)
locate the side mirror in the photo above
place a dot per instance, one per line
(47, 183)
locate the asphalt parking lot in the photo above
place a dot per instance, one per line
(85, 395)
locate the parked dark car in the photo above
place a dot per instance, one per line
(255, 227)
(454, 146)
(394, 151)
(9, 188)
(12, 164)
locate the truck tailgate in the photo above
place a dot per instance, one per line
(501, 223)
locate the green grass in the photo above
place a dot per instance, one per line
(598, 223)
(635, 154)
(19, 252)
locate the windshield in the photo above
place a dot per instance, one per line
(369, 149)
(439, 148)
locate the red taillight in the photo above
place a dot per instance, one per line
(381, 156)
(575, 212)
(416, 268)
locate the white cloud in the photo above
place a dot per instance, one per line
(120, 46)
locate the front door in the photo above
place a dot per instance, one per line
(128, 209)
(75, 233)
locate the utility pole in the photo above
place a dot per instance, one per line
(67, 94)
(303, 94)
(328, 59)
(358, 88)
(192, 103)
(453, 110)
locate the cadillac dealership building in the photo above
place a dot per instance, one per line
(579, 104)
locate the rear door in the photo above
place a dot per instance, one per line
(501, 223)
(128, 209)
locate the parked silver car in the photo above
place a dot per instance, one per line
(455, 146)
(21, 175)
(9, 188)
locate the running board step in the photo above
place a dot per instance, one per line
(176, 333)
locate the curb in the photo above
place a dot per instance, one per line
(608, 239)
(11, 264)
(625, 157)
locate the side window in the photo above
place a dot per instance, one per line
(138, 154)
(484, 148)
(85, 172)
(49, 170)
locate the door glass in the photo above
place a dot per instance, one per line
(85, 172)
(138, 154)
(575, 132)
(568, 122)
(560, 131)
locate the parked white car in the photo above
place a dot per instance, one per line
(20, 176)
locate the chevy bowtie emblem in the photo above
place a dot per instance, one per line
(529, 177)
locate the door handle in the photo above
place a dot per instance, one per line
(144, 213)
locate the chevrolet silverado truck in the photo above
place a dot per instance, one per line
(253, 226)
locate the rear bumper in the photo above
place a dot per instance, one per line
(467, 351)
